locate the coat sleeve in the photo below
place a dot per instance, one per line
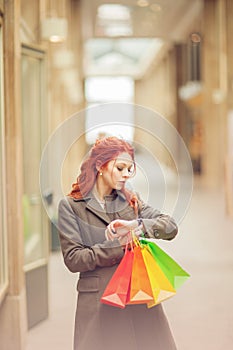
(156, 224)
(80, 258)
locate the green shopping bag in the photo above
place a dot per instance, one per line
(173, 271)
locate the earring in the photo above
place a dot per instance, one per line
(101, 173)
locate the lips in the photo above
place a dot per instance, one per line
(121, 183)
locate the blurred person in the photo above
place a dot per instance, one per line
(95, 221)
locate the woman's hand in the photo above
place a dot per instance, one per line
(122, 230)
(122, 227)
(123, 239)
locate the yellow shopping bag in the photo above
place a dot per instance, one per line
(160, 285)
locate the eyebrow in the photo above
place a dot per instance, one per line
(123, 163)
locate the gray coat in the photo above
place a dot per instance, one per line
(82, 223)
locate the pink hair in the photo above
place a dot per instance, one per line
(103, 151)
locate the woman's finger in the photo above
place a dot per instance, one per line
(109, 235)
(111, 228)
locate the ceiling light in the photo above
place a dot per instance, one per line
(190, 90)
(54, 29)
(113, 20)
(55, 39)
(113, 12)
(195, 37)
(143, 3)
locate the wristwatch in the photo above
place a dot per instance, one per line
(139, 220)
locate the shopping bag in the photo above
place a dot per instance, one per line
(161, 286)
(140, 288)
(116, 291)
(173, 271)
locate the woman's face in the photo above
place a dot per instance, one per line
(117, 171)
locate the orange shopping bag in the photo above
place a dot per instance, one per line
(140, 288)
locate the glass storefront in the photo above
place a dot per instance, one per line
(35, 232)
(3, 234)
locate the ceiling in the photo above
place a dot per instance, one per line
(124, 56)
(125, 40)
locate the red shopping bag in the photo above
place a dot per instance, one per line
(140, 287)
(115, 293)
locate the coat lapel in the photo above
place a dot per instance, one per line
(115, 203)
(96, 209)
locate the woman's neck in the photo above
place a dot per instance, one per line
(101, 191)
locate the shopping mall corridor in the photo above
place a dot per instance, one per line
(200, 314)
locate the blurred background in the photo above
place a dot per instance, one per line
(63, 58)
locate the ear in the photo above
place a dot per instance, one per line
(98, 165)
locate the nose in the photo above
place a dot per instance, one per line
(125, 172)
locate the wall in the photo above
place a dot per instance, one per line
(157, 91)
(217, 96)
(13, 307)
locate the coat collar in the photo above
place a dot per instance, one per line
(115, 202)
(112, 196)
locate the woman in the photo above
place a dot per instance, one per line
(94, 223)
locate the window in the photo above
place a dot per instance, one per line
(33, 117)
(3, 234)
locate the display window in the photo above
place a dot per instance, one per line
(3, 231)
(35, 229)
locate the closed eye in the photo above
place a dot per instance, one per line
(130, 169)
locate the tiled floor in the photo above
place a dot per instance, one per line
(200, 315)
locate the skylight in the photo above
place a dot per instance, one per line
(114, 20)
(113, 12)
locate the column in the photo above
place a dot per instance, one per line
(13, 310)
